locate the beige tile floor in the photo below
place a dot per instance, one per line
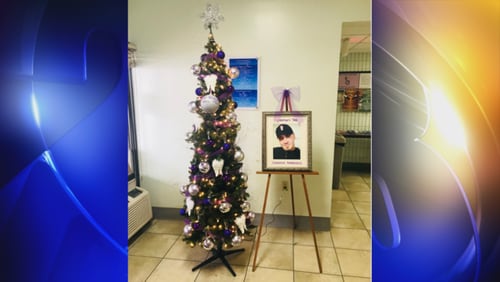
(285, 254)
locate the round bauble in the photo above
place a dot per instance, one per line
(188, 230)
(225, 207)
(234, 72)
(209, 104)
(221, 55)
(183, 189)
(245, 206)
(196, 225)
(193, 189)
(232, 116)
(244, 177)
(195, 69)
(236, 240)
(250, 217)
(238, 156)
(208, 244)
(198, 91)
(204, 167)
(192, 107)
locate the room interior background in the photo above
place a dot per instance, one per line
(297, 43)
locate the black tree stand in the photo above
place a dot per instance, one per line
(219, 253)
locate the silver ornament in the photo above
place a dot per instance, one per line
(238, 156)
(209, 104)
(234, 72)
(250, 216)
(204, 167)
(225, 207)
(244, 177)
(232, 116)
(208, 244)
(193, 189)
(183, 189)
(196, 69)
(245, 206)
(188, 230)
(192, 107)
(236, 240)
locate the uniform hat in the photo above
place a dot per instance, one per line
(283, 129)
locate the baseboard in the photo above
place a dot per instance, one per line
(278, 220)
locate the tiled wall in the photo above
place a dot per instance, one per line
(357, 121)
(356, 150)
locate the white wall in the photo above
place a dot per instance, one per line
(297, 43)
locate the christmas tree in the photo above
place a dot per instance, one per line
(217, 213)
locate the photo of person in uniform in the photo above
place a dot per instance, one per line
(286, 138)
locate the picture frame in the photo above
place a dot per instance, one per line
(246, 84)
(279, 131)
(354, 91)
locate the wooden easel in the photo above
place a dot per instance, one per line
(302, 173)
(287, 103)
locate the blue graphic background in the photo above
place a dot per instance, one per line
(63, 128)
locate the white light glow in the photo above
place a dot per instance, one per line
(34, 109)
(446, 119)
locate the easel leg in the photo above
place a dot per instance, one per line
(311, 223)
(293, 203)
(261, 222)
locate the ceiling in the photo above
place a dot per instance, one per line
(356, 37)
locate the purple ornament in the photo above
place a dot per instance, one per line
(206, 201)
(210, 142)
(227, 233)
(235, 104)
(193, 168)
(221, 55)
(226, 177)
(230, 89)
(197, 178)
(196, 226)
(226, 146)
(182, 211)
(199, 91)
(200, 151)
(203, 57)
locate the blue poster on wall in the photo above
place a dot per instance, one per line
(246, 84)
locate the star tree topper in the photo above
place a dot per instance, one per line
(211, 16)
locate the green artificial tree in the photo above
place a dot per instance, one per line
(217, 213)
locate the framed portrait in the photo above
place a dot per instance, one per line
(286, 141)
